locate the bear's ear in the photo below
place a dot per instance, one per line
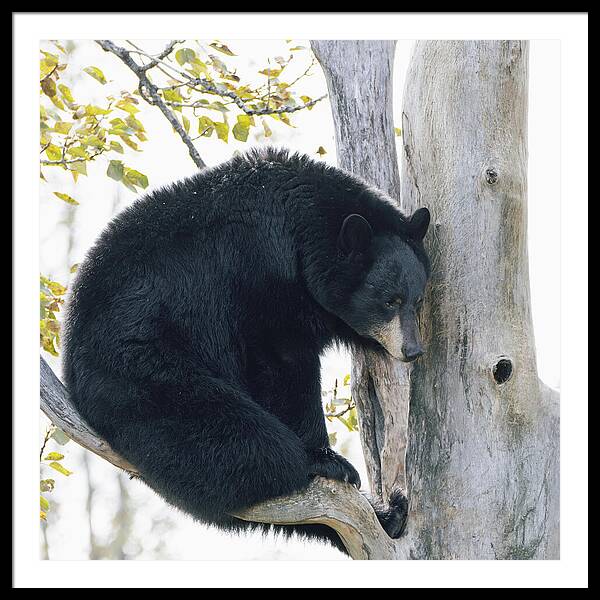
(419, 223)
(355, 234)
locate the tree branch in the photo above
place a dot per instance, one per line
(338, 505)
(152, 90)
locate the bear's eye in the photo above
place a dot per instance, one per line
(393, 302)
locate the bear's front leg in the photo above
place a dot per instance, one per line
(328, 463)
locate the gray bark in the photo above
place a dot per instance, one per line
(482, 461)
(484, 454)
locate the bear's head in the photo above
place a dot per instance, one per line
(384, 306)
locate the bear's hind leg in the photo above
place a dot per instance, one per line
(215, 457)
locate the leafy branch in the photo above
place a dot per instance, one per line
(148, 90)
(73, 134)
(209, 78)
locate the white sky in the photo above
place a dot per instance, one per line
(164, 159)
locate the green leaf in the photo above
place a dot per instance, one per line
(128, 105)
(129, 142)
(44, 504)
(93, 140)
(57, 102)
(54, 456)
(46, 67)
(332, 438)
(198, 68)
(129, 185)
(136, 178)
(347, 379)
(116, 147)
(115, 170)
(306, 100)
(184, 55)
(218, 106)
(56, 288)
(353, 420)
(66, 198)
(62, 127)
(284, 117)
(242, 127)
(50, 58)
(172, 96)
(78, 152)
(397, 131)
(92, 111)
(58, 435)
(58, 467)
(222, 130)
(206, 126)
(271, 72)
(245, 120)
(321, 151)
(79, 167)
(66, 93)
(53, 152)
(240, 132)
(186, 123)
(96, 73)
(134, 123)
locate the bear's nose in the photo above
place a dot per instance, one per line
(412, 354)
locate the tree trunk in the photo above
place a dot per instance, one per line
(482, 462)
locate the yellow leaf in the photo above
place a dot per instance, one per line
(66, 198)
(54, 456)
(56, 288)
(96, 73)
(58, 467)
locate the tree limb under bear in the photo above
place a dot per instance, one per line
(332, 503)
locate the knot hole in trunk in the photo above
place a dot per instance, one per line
(502, 370)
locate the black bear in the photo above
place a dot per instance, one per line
(195, 324)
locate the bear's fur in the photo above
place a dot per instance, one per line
(195, 324)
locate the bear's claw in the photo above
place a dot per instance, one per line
(330, 464)
(394, 516)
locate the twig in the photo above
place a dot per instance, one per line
(342, 412)
(69, 161)
(46, 438)
(159, 57)
(146, 85)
